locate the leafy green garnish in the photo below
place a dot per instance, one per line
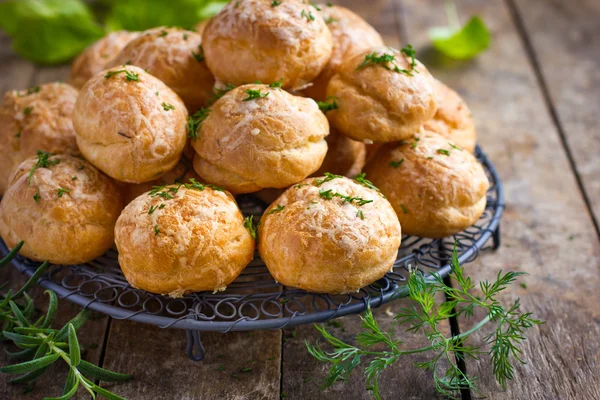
(251, 226)
(426, 316)
(464, 43)
(194, 122)
(329, 104)
(279, 208)
(254, 94)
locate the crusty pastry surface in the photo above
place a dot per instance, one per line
(39, 118)
(252, 40)
(436, 189)
(247, 144)
(65, 212)
(193, 241)
(350, 34)
(176, 57)
(93, 59)
(134, 130)
(376, 102)
(453, 119)
(329, 245)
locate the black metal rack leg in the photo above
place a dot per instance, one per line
(193, 341)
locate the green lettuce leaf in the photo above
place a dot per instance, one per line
(463, 44)
(49, 31)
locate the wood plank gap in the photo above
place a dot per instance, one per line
(531, 55)
(281, 364)
(104, 344)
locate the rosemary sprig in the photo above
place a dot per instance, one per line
(425, 317)
(43, 345)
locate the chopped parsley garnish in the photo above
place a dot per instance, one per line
(221, 92)
(18, 135)
(129, 76)
(156, 93)
(279, 208)
(307, 15)
(299, 185)
(185, 36)
(387, 61)
(329, 104)
(154, 208)
(62, 191)
(315, 6)
(404, 210)
(249, 224)
(42, 162)
(328, 177)
(275, 3)
(415, 143)
(455, 146)
(36, 196)
(409, 51)
(74, 178)
(396, 164)
(28, 110)
(329, 20)
(329, 4)
(277, 84)
(167, 106)
(360, 214)
(156, 230)
(330, 194)
(362, 179)
(163, 33)
(194, 122)
(444, 152)
(254, 94)
(80, 167)
(199, 56)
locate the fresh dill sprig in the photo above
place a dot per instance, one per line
(328, 177)
(43, 161)
(362, 179)
(43, 345)
(254, 94)
(129, 76)
(194, 122)
(279, 208)
(330, 194)
(425, 317)
(329, 104)
(388, 61)
(251, 226)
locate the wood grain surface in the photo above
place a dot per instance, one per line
(534, 96)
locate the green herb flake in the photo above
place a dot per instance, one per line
(194, 122)
(163, 33)
(275, 3)
(18, 135)
(62, 191)
(330, 194)
(185, 36)
(43, 161)
(129, 76)
(277, 85)
(199, 56)
(167, 106)
(36, 196)
(28, 110)
(279, 208)
(523, 285)
(444, 152)
(249, 224)
(455, 146)
(74, 178)
(329, 104)
(404, 210)
(308, 15)
(362, 179)
(315, 6)
(388, 61)
(396, 164)
(254, 94)
(360, 214)
(156, 230)
(330, 20)
(328, 177)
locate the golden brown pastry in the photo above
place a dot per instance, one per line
(382, 96)
(258, 40)
(62, 207)
(344, 156)
(453, 119)
(329, 236)
(350, 34)
(183, 238)
(201, 26)
(257, 136)
(39, 118)
(176, 57)
(436, 188)
(182, 172)
(94, 58)
(130, 125)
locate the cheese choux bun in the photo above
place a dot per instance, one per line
(436, 188)
(94, 58)
(381, 95)
(344, 156)
(39, 118)
(182, 172)
(259, 40)
(62, 207)
(130, 125)
(350, 34)
(175, 56)
(453, 119)
(257, 136)
(183, 238)
(329, 235)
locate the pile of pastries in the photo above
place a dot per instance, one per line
(351, 142)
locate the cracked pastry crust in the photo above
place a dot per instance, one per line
(329, 245)
(378, 104)
(132, 130)
(453, 119)
(65, 213)
(175, 56)
(197, 241)
(39, 118)
(247, 144)
(251, 40)
(350, 34)
(94, 58)
(436, 189)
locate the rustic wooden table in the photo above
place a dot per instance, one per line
(535, 96)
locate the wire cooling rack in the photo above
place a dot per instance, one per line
(254, 300)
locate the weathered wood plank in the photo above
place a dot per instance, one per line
(565, 37)
(162, 370)
(547, 231)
